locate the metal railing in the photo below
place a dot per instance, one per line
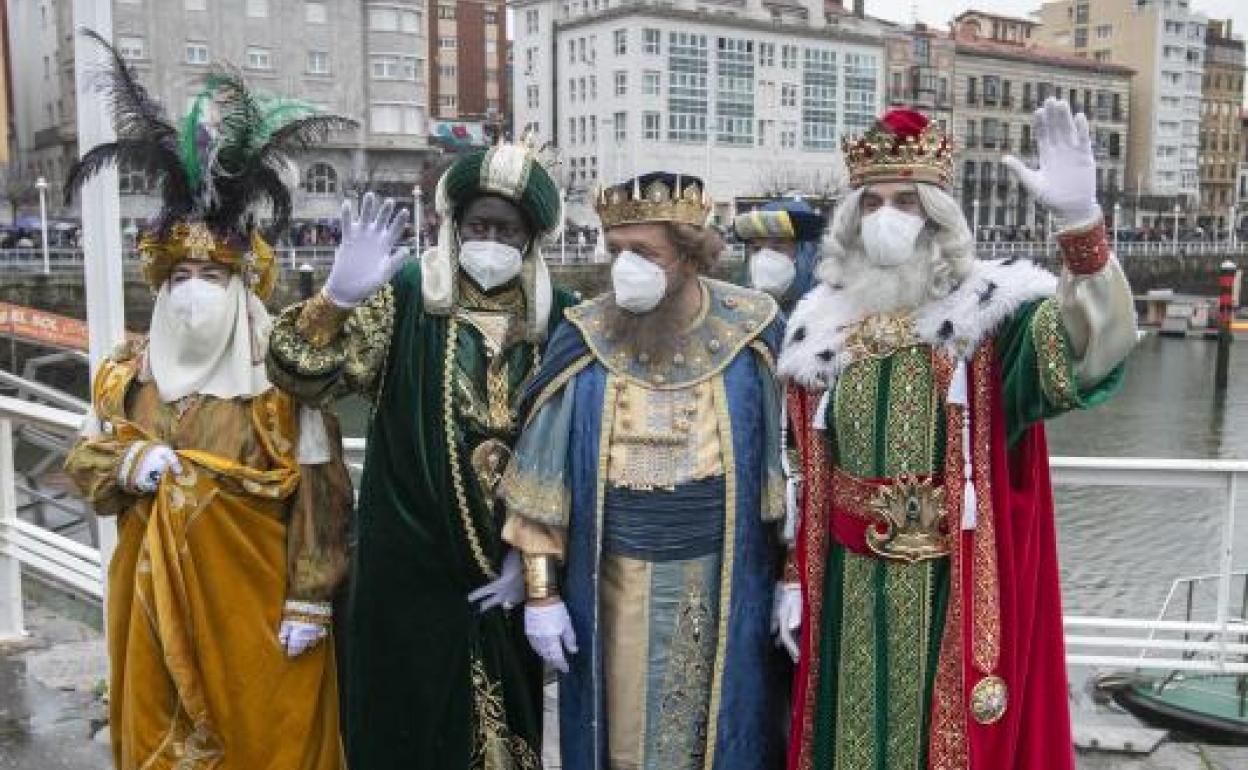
(1219, 643)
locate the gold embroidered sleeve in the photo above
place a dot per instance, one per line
(93, 464)
(1054, 360)
(317, 528)
(317, 366)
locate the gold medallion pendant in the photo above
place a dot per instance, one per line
(909, 526)
(988, 700)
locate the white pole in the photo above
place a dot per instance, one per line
(417, 218)
(42, 185)
(975, 219)
(11, 625)
(1117, 214)
(101, 214)
(563, 230)
(1176, 229)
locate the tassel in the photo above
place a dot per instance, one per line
(790, 510)
(821, 414)
(959, 395)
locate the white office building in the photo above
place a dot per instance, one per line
(752, 96)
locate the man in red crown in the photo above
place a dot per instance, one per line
(924, 574)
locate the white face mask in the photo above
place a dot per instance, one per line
(489, 263)
(889, 235)
(772, 271)
(639, 283)
(200, 308)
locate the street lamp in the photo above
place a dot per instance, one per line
(1177, 211)
(563, 228)
(975, 218)
(417, 219)
(41, 185)
(1117, 213)
(1231, 234)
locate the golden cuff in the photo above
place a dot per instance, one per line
(541, 577)
(321, 320)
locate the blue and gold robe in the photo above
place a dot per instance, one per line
(658, 484)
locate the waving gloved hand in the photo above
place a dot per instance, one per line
(549, 630)
(153, 461)
(366, 258)
(1066, 179)
(786, 617)
(507, 590)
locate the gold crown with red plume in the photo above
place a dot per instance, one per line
(903, 146)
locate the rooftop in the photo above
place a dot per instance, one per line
(997, 16)
(1037, 54)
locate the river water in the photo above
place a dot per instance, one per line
(1120, 547)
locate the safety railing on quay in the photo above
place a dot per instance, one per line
(1219, 643)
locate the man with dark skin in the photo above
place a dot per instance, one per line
(438, 671)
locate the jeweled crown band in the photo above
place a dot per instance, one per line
(880, 155)
(195, 242)
(656, 200)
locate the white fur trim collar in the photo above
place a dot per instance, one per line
(814, 345)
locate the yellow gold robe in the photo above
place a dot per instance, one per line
(197, 584)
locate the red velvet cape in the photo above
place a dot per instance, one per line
(1034, 733)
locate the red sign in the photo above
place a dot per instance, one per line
(43, 328)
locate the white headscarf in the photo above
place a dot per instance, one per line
(223, 356)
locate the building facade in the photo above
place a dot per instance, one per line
(1164, 42)
(754, 97)
(1222, 98)
(1240, 213)
(420, 79)
(920, 67)
(1000, 78)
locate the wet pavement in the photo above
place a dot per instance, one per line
(51, 695)
(52, 708)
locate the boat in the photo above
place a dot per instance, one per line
(1212, 708)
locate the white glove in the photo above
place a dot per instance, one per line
(506, 590)
(152, 466)
(550, 632)
(786, 617)
(1066, 179)
(299, 636)
(367, 258)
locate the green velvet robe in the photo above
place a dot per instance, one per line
(431, 683)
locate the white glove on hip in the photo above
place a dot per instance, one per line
(507, 590)
(152, 465)
(786, 617)
(1066, 179)
(298, 636)
(550, 632)
(366, 258)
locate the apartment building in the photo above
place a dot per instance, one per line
(1164, 42)
(1222, 98)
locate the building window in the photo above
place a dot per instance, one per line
(621, 83)
(788, 57)
(491, 47)
(788, 135)
(259, 59)
(491, 17)
(448, 43)
(650, 83)
(1081, 13)
(449, 101)
(992, 90)
(132, 47)
(318, 62)
(593, 128)
(196, 5)
(734, 96)
(686, 87)
(620, 36)
(972, 96)
(257, 9)
(320, 179)
(132, 180)
(315, 13)
(449, 71)
(766, 54)
(651, 41)
(922, 50)
(531, 97)
(571, 130)
(396, 118)
(446, 12)
(788, 95)
(391, 19)
(819, 113)
(1081, 37)
(860, 90)
(531, 20)
(650, 125)
(1104, 31)
(393, 67)
(621, 126)
(196, 53)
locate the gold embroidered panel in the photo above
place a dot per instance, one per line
(662, 438)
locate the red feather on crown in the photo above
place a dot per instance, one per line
(902, 146)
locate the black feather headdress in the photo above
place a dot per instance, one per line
(216, 167)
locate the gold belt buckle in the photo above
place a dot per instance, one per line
(909, 516)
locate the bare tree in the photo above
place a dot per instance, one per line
(18, 186)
